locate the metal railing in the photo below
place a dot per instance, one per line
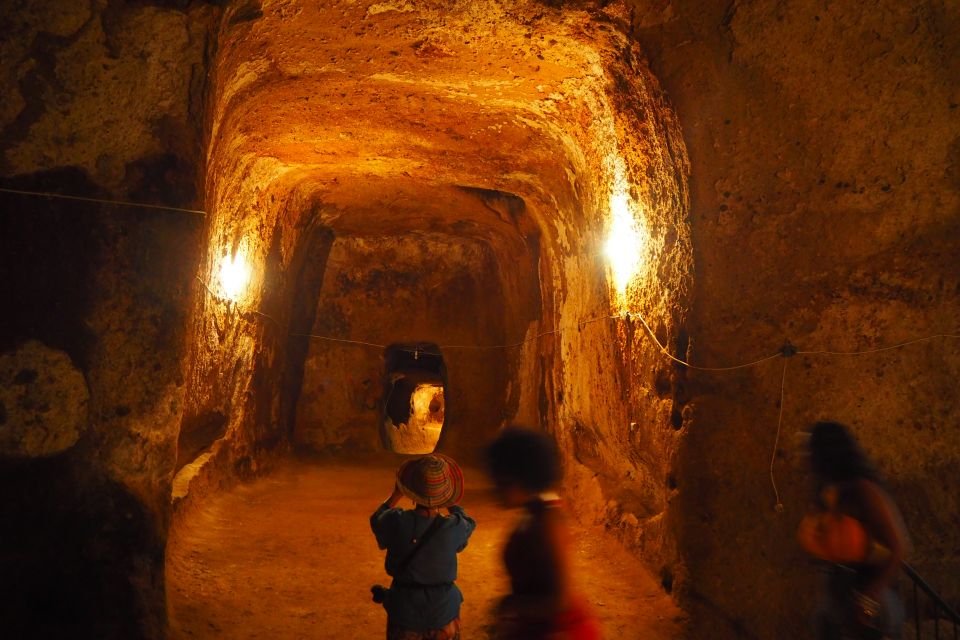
(940, 608)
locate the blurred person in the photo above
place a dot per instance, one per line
(422, 602)
(856, 528)
(543, 604)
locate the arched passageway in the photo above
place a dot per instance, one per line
(393, 175)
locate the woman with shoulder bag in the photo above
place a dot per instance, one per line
(857, 529)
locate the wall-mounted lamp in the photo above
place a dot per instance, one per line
(626, 242)
(234, 275)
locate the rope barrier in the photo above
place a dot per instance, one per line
(344, 340)
(120, 203)
(665, 352)
(777, 505)
(785, 352)
(879, 349)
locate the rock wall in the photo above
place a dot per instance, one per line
(76, 94)
(108, 292)
(823, 140)
(43, 402)
(101, 101)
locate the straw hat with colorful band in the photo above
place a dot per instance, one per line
(433, 481)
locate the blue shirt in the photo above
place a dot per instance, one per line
(423, 596)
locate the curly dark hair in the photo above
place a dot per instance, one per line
(836, 456)
(525, 457)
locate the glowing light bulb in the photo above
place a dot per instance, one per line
(625, 243)
(234, 275)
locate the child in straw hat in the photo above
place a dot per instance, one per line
(423, 603)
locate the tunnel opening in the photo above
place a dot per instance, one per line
(414, 398)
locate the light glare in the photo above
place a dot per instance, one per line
(234, 275)
(624, 243)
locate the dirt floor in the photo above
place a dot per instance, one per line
(291, 556)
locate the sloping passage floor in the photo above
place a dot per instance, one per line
(291, 555)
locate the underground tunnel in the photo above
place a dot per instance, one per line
(257, 253)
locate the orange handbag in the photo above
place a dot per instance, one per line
(835, 537)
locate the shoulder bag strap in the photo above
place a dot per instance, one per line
(434, 526)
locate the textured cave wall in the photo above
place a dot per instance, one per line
(112, 90)
(404, 290)
(825, 198)
(108, 290)
(104, 291)
(246, 358)
(369, 119)
(617, 404)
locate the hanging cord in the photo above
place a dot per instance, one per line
(343, 340)
(786, 352)
(778, 506)
(879, 349)
(119, 203)
(664, 351)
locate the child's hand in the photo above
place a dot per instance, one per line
(394, 497)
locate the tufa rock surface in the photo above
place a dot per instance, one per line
(43, 402)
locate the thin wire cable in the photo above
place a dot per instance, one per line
(207, 287)
(778, 506)
(879, 349)
(663, 350)
(485, 347)
(785, 352)
(270, 318)
(344, 340)
(120, 203)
